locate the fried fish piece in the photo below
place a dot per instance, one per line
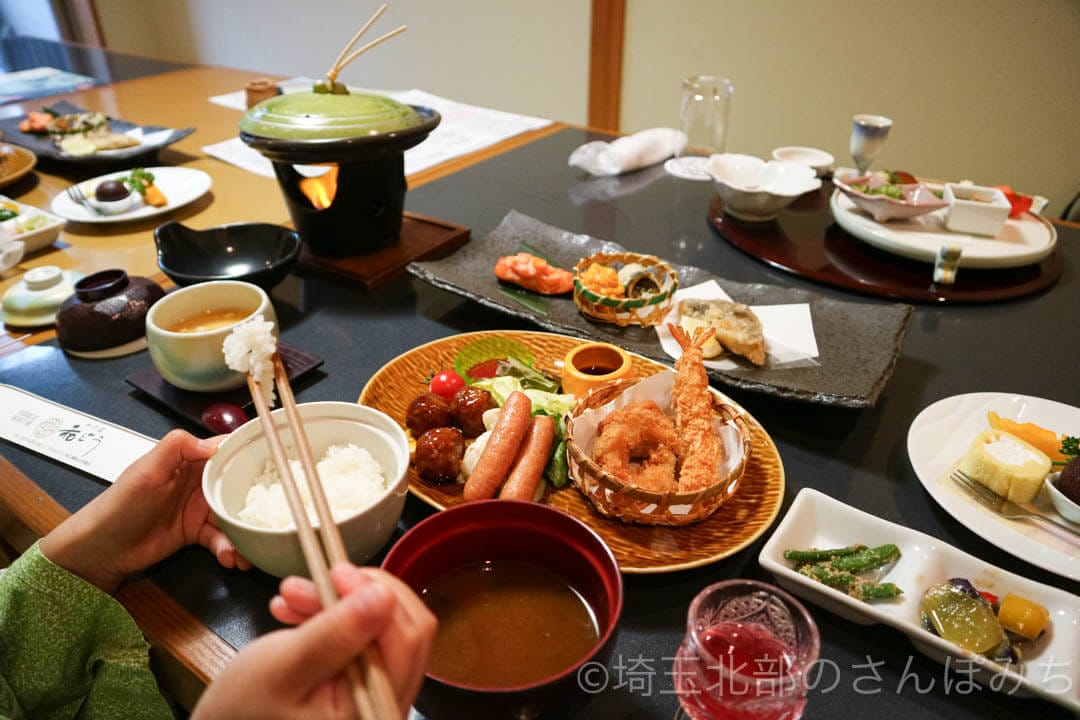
(737, 327)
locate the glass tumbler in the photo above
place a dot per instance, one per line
(703, 116)
(746, 654)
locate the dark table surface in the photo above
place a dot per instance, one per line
(857, 456)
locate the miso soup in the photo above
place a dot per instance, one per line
(209, 320)
(506, 622)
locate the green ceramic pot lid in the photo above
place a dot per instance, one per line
(317, 116)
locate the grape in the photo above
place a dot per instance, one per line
(223, 418)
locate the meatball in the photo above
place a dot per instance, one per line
(438, 454)
(427, 411)
(467, 409)
(1069, 482)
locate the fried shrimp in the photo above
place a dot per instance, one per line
(701, 450)
(637, 444)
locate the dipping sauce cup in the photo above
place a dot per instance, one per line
(593, 364)
(747, 651)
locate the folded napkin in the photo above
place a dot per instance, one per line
(628, 153)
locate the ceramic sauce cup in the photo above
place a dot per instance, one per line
(185, 331)
(593, 364)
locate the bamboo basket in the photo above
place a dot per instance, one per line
(647, 311)
(615, 498)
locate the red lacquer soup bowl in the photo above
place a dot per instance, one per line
(528, 541)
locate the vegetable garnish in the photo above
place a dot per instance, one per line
(840, 568)
(537, 303)
(487, 349)
(138, 180)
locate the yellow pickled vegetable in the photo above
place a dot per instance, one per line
(1045, 440)
(1022, 616)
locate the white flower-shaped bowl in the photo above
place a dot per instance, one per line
(755, 190)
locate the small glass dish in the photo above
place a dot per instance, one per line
(976, 209)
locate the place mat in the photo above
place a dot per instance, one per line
(191, 404)
(422, 238)
(46, 148)
(858, 343)
(806, 241)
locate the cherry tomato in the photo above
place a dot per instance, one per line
(223, 418)
(445, 383)
(486, 369)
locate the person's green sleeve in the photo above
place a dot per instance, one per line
(69, 651)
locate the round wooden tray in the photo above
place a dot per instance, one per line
(638, 548)
(806, 241)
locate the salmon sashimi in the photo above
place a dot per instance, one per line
(534, 273)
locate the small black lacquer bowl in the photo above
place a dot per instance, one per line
(258, 253)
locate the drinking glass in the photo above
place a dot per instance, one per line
(868, 133)
(746, 654)
(703, 116)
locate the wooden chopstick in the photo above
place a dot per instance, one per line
(371, 664)
(369, 706)
(336, 68)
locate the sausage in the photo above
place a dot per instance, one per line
(467, 409)
(438, 454)
(531, 460)
(427, 411)
(502, 447)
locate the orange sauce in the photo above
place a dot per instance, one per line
(209, 320)
(504, 623)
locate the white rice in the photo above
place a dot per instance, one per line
(351, 478)
(250, 348)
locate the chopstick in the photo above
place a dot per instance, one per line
(371, 664)
(371, 690)
(340, 63)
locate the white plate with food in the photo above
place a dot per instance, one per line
(34, 227)
(1050, 665)
(178, 186)
(1023, 241)
(942, 434)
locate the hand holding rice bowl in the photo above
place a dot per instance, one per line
(241, 459)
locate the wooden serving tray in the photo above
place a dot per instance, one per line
(422, 238)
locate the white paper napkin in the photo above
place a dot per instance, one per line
(628, 153)
(788, 329)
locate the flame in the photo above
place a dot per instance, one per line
(321, 190)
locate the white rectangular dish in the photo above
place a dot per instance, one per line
(37, 238)
(1051, 664)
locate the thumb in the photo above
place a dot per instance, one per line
(320, 649)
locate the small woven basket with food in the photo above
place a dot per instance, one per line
(665, 450)
(624, 288)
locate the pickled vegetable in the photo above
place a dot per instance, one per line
(955, 615)
(1024, 617)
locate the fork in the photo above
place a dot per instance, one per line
(76, 194)
(1003, 506)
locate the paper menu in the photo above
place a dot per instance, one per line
(87, 443)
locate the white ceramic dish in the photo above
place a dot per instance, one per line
(755, 190)
(976, 209)
(1023, 241)
(819, 160)
(941, 434)
(817, 521)
(180, 186)
(915, 198)
(1065, 507)
(41, 237)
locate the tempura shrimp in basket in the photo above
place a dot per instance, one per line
(701, 451)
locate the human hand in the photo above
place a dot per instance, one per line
(153, 509)
(299, 672)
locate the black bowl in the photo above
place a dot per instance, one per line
(258, 253)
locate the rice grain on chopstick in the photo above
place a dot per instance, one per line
(250, 348)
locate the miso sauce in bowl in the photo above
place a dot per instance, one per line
(210, 319)
(481, 606)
